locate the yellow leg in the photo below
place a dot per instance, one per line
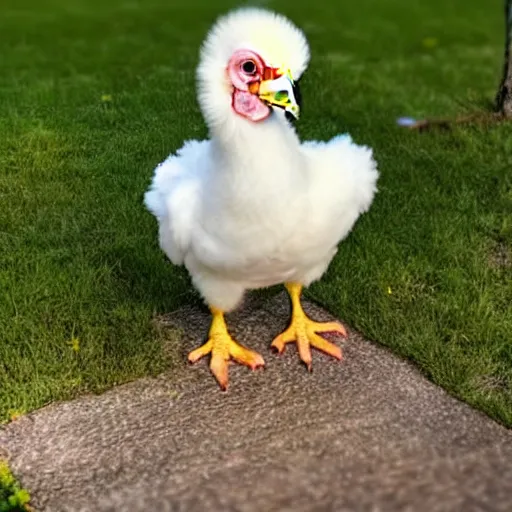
(304, 331)
(222, 347)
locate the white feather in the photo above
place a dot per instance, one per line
(252, 206)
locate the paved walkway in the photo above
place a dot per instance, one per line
(367, 434)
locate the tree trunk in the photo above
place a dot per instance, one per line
(504, 97)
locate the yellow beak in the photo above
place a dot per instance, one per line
(280, 92)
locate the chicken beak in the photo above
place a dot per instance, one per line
(281, 92)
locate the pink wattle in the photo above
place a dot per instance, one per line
(250, 106)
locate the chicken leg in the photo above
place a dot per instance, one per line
(304, 331)
(222, 348)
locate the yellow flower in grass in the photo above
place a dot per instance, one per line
(14, 414)
(75, 344)
(430, 42)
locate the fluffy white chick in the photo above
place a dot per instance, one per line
(251, 206)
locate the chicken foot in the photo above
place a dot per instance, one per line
(222, 348)
(303, 331)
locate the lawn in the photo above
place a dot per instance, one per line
(93, 94)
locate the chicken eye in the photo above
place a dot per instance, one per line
(249, 67)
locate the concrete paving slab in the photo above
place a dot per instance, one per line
(367, 434)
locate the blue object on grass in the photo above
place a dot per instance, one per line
(406, 121)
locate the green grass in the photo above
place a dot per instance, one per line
(13, 498)
(93, 94)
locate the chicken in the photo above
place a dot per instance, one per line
(252, 207)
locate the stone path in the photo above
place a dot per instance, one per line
(367, 434)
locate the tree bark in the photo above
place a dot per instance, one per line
(504, 97)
